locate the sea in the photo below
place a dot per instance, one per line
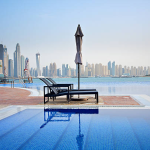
(104, 85)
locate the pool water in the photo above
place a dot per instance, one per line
(76, 129)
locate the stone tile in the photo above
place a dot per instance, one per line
(14, 96)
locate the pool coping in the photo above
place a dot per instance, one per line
(14, 109)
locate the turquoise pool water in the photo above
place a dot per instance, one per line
(76, 129)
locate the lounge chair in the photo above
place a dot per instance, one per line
(68, 93)
(58, 88)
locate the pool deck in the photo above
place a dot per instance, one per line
(14, 100)
(20, 96)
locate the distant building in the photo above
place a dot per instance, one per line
(47, 71)
(6, 59)
(100, 69)
(144, 71)
(22, 65)
(63, 70)
(120, 70)
(44, 71)
(38, 64)
(109, 67)
(11, 68)
(17, 62)
(27, 68)
(54, 70)
(59, 72)
(86, 71)
(67, 71)
(31, 72)
(82, 70)
(117, 70)
(73, 72)
(148, 71)
(113, 68)
(51, 70)
(1, 67)
(97, 70)
(1, 57)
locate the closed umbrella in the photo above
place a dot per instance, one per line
(78, 58)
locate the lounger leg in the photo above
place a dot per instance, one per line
(44, 95)
(68, 98)
(97, 98)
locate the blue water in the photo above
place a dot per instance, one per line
(104, 85)
(75, 129)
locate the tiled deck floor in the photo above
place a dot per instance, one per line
(14, 96)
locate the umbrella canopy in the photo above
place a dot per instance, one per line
(78, 38)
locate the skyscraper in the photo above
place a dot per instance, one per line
(22, 65)
(54, 69)
(6, 59)
(47, 71)
(120, 70)
(109, 67)
(67, 70)
(82, 70)
(59, 72)
(113, 68)
(27, 67)
(17, 61)
(51, 70)
(63, 70)
(1, 67)
(100, 69)
(97, 70)
(1, 57)
(93, 70)
(44, 71)
(117, 70)
(38, 64)
(11, 68)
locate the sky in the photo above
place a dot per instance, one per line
(114, 30)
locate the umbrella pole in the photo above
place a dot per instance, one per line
(78, 79)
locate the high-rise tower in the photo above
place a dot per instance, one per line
(11, 68)
(1, 57)
(22, 65)
(109, 67)
(38, 64)
(113, 68)
(17, 61)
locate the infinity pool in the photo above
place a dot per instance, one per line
(76, 129)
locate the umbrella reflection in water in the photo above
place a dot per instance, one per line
(53, 115)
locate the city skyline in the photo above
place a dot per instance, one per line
(39, 55)
(113, 30)
(22, 67)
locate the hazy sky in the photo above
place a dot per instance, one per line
(114, 30)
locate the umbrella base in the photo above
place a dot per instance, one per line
(79, 99)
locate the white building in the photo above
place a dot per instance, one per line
(22, 65)
(17, 61)
(38, 64)
(1, 67)
(11, 68)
